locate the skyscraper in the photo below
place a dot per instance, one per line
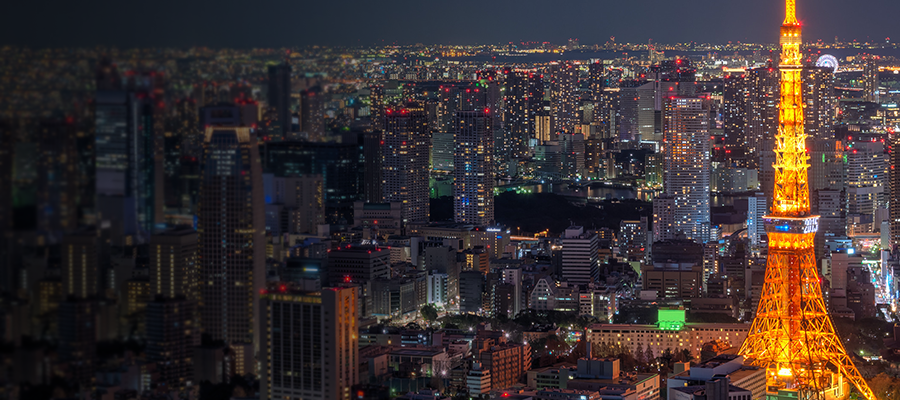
(871, 80)
(867, 178)
(687, 166)
(82, 253)
(372, 191)
(762, 116)
(126, 161)
(735, 94)
(173, 263)
(473, 173)
(310, 348)
(564, 96)
(280, 95)
(580, 260)
(405, 163)
(172, 335)
(338, 164)
(231, 228)
(524, 99)
(312, 117)
(895, 191)
(820, 100)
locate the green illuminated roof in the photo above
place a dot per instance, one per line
(670, 319)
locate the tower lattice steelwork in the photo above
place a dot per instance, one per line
(792, 335)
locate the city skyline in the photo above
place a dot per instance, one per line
(360, 23)
(574, 217)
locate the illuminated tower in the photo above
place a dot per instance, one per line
(792, 335)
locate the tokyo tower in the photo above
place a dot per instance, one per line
(792, 336)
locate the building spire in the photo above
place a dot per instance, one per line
(790, 12)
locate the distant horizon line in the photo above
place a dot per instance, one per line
(811, 43)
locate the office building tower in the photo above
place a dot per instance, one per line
(607, 113)
(339, 164)
(871, 80)
(895, 191)
(687, 167)
(471, 292)
(572, 149)
(524, 99)
(564, 96)
(580, 263)
(358, 265)
(182, 146)
(633, 239)
(78, 338)
(82, 253)
(173, 263)
(735, 95)
(867, 178)
(128, 123)
(311, 349)
(405, 163)
(821, 103)
(597, 74)
(756, 210)
(231, 236)
(280, 95)
(473, 173)
(376, 105)
(762, 117)
(54, 187)
(372, 191)
(171, 337)
(294, 204)
(628, 107)
(312, 113)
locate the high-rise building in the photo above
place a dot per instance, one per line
(173, 263)
(564, 96)
(687, 167)
(633, 239)
(524, 99)
(867, 177)
(312, 114)
(82, 253)
(338, 164)
(172, 335)
(820, 100)
(127, 126)
(735, 94)
(473, 173)
(756, 209)
(471, 291)
(280, 95)
(294, 204)
(311, 349)
(895, 191)
(78, 338)
(231, 231)
(580, 263)
(871, 80)
(405, 164)
(372, 191)
(572, 149)
(762, 115)
(376, 105)
(359, 264)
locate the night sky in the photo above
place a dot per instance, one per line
(281, 23)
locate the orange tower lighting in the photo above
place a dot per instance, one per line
(792, 336)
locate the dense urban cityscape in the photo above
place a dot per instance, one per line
(522, 220)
